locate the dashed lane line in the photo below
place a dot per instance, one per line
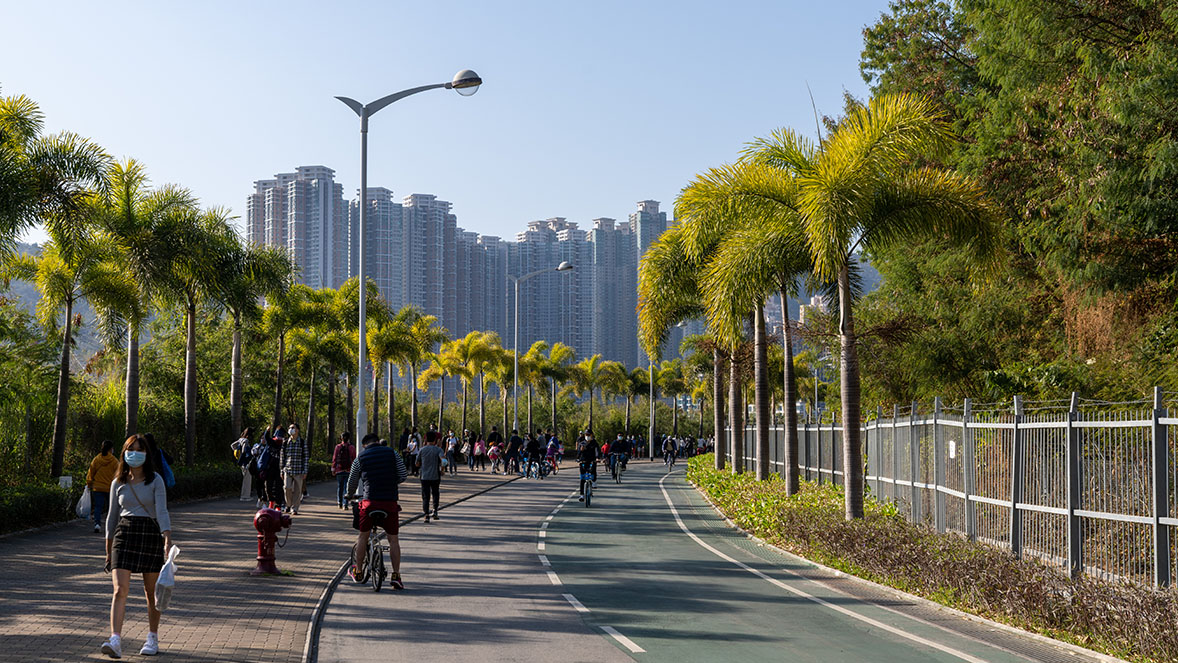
(793, 590)
(554, 578)
(577, 605)
(626, 642)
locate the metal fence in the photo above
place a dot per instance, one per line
(1084, 486)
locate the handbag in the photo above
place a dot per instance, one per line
(465, 448)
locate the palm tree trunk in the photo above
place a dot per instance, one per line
(735, 415)
(351, 405)
(675, 415)
(375, 426)
(590, 409)
(789, 407)
(554, 406)
(132, 387)
(849, 377)
(392, 404)
(309, 435)
(413, 394)
(503, 396)
(629, 404)
(63, 393)
(190, 385)
(718, 407)
(529, 408)
(465, 389)
(332, 378)
(278, 381)
(482, 405)
(441, 405)
(761, 386)
(235, 376)
(700, 434)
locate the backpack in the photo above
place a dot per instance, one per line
(245, 455)
(262, 462)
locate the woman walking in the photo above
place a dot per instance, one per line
(341, 465)
(138, 532)
(102, 471)
(295, 459)
(451, 454)
(241, 453)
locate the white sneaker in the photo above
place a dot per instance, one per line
(150, 648)
(112, 648)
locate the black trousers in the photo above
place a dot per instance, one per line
(430, 487)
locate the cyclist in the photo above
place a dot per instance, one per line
(552, 452)
(534, 452)
(619, 452)
(377, 470)
(669, 452)
(587, 460)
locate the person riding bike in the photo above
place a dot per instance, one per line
(534, 450)
(377, 471)
(619, 452)
(587, 455)
(670, 450)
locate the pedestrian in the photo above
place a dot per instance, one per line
(138, 534)
(429, 462)
(262, 445)
(480, 455)
(403, 441)
(163, 460)
(451, 454)
(102, 471)
(468, 449)
(496, 453)
(241, 453)
(514, 446)
(411, 449)
(341, 465)
(275, 494)
(294, 461)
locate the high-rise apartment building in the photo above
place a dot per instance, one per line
(304, 213)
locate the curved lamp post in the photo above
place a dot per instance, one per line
(466, 83)
(564, 266)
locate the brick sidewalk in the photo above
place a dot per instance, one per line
(55, 597)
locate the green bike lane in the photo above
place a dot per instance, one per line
(652, 560)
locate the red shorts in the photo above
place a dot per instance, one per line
(391, 521)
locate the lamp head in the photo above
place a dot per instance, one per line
(564, 266)
(466, 82)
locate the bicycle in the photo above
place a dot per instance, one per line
(374, 561)
(617, 466)
(669, 460)
(587, 484)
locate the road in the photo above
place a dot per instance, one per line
(648, 573)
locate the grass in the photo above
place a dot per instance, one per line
(1127, 621)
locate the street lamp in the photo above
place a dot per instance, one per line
(466, 83)
(564, 266)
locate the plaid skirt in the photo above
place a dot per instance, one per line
(138, 545)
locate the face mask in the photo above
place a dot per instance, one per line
(134, 458)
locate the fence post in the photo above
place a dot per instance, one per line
(834, 454)
(1016, 481)
(913, 461)
(805, 441)
(895, 453)
(818, 451)
(938, 467)
(1075, 556)
(967, 471)
(1161, 506)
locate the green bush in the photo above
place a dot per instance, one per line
(1120, 619)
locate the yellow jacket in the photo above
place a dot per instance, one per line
(102, 471)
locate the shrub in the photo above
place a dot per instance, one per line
(1120, 619)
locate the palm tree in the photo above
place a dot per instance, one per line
(202, 240)
(45, 179)
(637, 384)
(615, 381)
(131, 215)
(427, 334)
(285, 311)
(671, 383)
(388, 344)
(465, 356)
(555, 369)
(869, 184)
(485, 362)
(586, 378)
(501, 371)
(91, 271)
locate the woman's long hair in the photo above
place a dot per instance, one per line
(148, 465)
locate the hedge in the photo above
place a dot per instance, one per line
(38, 504)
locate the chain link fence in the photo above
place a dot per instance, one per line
(1084, 486)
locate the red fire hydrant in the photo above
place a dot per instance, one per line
(268, 522)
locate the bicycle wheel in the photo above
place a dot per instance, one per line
(588, 492)
(375, 565)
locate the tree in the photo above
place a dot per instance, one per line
(501, 371)
(89, 270)
(133, 215)
(637, 385)
(530, 372)
(465, 357)
(615, 381)
(586, 378)
(865, 186)
(427, 334)
(555, 369)
(390, 343)
(671, 383)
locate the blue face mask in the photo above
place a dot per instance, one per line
(135, 458)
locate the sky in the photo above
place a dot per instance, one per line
(586, 107)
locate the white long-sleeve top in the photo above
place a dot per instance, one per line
(148, 500)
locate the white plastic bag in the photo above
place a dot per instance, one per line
(83, 508)
(166, 581)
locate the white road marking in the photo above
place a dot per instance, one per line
(626, 642)
(549, 517)
(544, 560)
(554, 578)
(544, 525)
(540, 546)
(793, 590)
(543, 534)
(580, 607)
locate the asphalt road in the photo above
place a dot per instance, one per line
(649, 573)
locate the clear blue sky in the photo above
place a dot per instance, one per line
(587, 107)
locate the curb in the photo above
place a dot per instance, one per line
(311, 646)
(1043, 639)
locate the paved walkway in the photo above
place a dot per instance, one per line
(55, 597)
